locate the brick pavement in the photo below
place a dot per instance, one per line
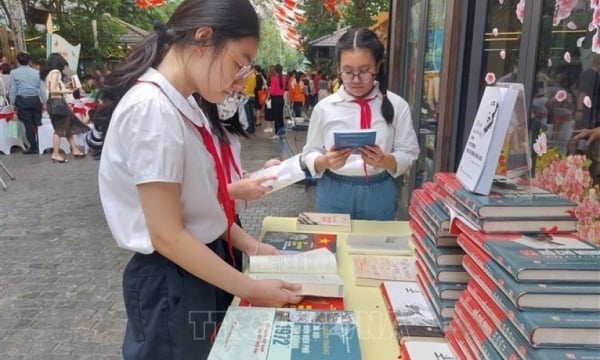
(60, 269)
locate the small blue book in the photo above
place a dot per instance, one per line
(354, 139)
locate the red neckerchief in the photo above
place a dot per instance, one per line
(222, 193)
(365, 122)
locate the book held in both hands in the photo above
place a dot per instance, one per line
(324, 222)
(286, 334)
(353, 139)
(315, 270)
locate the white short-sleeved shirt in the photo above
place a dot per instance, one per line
(337, 112)
(149, 140)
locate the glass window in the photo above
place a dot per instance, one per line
(428, 112)
(414, 29)
(567, 92)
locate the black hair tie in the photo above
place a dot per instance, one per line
(162, 31)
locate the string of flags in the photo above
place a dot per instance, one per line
(145, 4)
(288, 15)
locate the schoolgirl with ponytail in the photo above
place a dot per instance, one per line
(360, 184)
(163, 185)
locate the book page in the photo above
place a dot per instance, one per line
(320, 261)
(288, 172)
(385, 268)
(326, 285)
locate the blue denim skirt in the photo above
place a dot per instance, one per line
(375, 198)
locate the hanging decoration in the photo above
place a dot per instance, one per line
(335, 6)
(145, 4)
(287, 16)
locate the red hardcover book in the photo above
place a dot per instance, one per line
(311, 303)
(458, 344)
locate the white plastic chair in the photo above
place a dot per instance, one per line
(45, 134)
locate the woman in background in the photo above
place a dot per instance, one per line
(65, 125)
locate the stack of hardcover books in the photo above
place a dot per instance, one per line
(438, 257)
(534, 291)
(531, 296)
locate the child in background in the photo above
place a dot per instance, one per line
(362, 184)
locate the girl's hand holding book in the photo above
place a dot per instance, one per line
(333, 159)
(273, 293)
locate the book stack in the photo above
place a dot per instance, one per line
(508, 207)
(531, 296)
(438, 257)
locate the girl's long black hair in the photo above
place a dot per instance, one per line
(229, 19)
(363, 38)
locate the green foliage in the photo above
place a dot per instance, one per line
(273, 50)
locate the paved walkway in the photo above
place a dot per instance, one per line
(60, 269)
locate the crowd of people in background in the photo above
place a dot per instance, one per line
(274, 95)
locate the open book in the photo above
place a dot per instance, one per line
(288, 172)
(316, 270)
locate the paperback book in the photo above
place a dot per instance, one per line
(311, 303)
(372, 270)
(353, 139)
(298, 242)
(324, 222)
(421, 350)
(359, 244)
(288, 172)
(286, 334)
(315, 270)
(412, 317)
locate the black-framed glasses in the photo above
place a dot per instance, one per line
(363, 76)
(244, 71)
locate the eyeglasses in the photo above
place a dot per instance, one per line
(363, 76)
(244, 71)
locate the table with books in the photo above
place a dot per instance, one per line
(376, 335)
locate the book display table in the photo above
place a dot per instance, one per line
(377, 337)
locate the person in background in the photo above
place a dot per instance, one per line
(296, 93)
(26, 95)
(361, 184)
(248, 92)
(5, 69)
(163, 185)
(64, 125)
(593, 143)
(260, 95)
(276, 92)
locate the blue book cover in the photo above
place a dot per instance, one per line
(429, 206)
(529, 202)
(514, 336)
(442, 274)
(533, 296)
(417, 221)
(280, 334)
(442, 256)
(353, 139)
(444, 308)
(548, 328)
(436, 228)
(541, 257)
(445, 291)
